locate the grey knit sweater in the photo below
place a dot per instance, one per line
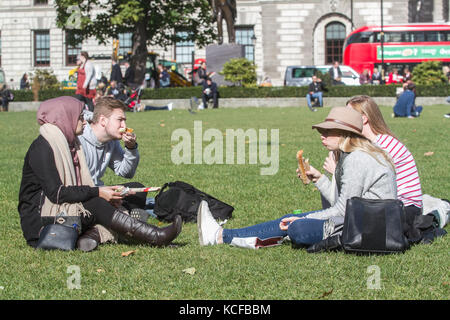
(362, 176)
(100, 156)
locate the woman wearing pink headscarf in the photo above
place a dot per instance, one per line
(57, 187)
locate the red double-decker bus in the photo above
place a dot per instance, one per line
(404, 45)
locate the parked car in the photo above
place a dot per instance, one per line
(302, 75)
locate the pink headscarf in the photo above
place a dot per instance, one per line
(64, 113)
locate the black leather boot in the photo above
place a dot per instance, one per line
(89, 240)
(329, 244)
(144, 232)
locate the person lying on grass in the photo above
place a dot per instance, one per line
(56, 180)
(363, 170)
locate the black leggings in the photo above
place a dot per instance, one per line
(102, 211)
(86, 101)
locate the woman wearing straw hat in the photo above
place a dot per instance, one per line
(363, 170)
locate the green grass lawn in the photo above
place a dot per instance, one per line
(225, 272)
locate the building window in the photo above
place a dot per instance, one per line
(40, 2)
(72, 51)
(334, 41)
(184, 48)
(41, 48)
(245, 36)
(125, 44)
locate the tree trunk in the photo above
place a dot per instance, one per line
(139, 53)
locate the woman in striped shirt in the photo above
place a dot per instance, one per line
(409, 189)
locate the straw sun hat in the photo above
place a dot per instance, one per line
(342, 118)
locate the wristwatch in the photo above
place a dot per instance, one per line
(135, 146)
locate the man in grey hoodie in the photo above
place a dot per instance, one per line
(101, 145)
(100, 141)
(102, 149)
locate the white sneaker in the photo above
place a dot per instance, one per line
(438, 207)
(207, 226)
(170, 106)
(200, 106)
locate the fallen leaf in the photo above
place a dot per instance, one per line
(190, 271)
(427, 154)
(128, 253)
(445, 283)
(100, 270)
(162, 124)
(327, 293)
(414, 130)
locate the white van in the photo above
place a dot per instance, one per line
(297, 76)
(349, 76)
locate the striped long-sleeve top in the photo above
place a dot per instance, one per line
(409, 189)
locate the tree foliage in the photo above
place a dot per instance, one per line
(153, 23)
(429, 73)
(46, 79)
(240, 71)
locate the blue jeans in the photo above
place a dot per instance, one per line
(149, 205)
(151, 108)
(302, 231)
(314, 95)
(416, 111)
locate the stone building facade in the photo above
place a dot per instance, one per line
(276, 33)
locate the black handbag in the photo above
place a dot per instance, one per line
(181, 198)
(57, 236)
(374, 226)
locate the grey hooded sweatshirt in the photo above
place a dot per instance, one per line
(100, 156)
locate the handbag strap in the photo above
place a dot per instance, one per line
(163, 188)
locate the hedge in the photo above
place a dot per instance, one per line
(256, 92)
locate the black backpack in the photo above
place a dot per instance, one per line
(183, 199)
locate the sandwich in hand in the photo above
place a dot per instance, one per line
(123, 130)
(303, 166)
